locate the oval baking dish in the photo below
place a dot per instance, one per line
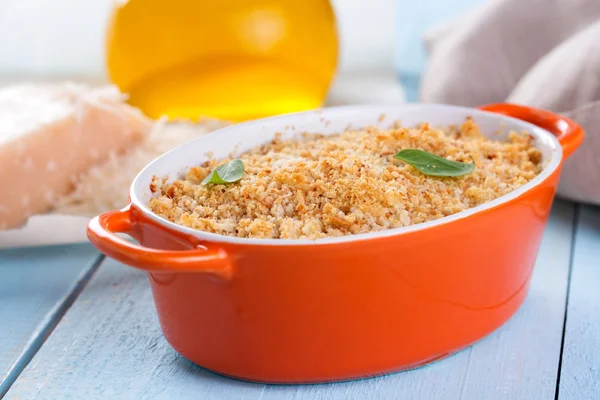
(297, 311)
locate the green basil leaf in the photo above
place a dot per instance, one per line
(226, 173)
(433, 165)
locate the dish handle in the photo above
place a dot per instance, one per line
(198, 258)
(568, 132)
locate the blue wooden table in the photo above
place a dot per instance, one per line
(74, 325)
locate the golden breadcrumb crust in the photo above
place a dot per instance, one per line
(318, 186)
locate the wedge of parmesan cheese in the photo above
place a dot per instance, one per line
(50, 134)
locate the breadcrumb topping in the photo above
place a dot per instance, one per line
(320, 186)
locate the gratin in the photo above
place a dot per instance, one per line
(320, 186)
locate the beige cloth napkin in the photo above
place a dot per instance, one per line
(543, 53)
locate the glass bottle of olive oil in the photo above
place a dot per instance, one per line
(229, 59)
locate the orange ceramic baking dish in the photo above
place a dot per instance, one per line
(294, 311)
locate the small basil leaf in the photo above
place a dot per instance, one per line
(430, 164)
(226, 173)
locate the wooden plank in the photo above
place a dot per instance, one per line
(580, 368)
(109, 345)
(37, 285)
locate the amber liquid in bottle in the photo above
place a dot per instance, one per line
(229, 59)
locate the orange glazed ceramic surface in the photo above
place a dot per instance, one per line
(298, 311)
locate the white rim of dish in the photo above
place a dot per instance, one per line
(538, 132)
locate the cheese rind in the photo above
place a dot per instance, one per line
(52, 133)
